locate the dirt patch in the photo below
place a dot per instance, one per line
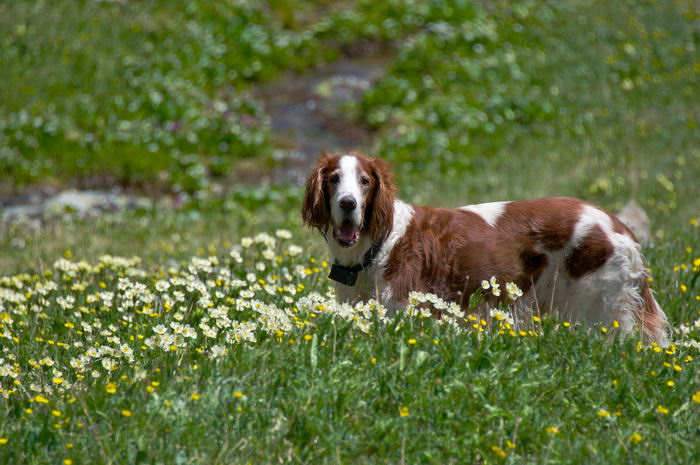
(306, 116)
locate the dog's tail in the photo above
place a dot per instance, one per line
(652, 319)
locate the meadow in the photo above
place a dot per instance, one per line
(206, 332)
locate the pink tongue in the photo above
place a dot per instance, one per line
(347, 232)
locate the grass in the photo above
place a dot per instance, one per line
(597, 101)
(101, 371)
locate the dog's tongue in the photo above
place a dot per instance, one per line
(348, 232)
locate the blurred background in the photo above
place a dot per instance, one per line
(168, 127)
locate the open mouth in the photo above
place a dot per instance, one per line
(347, 234)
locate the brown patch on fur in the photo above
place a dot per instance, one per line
(549, 221)
(379, 208)
(590, 254)
(315, 210)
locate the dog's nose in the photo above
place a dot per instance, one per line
(347, 204)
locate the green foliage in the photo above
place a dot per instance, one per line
(125, 88)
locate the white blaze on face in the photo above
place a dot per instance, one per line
(348, 187)
(346, 222)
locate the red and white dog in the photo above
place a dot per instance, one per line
(566, 255)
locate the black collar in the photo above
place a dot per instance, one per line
(348, 274)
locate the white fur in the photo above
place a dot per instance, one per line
(589, 218)
(371, 282)
(348, 186)
(611, 292)
(490, 211)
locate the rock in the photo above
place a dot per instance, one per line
(634, 216)
(21, 212)
(80, 203)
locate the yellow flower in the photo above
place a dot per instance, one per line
(308, 337)
(498, 451)
(404, 411)
(684, 288)
(3, 440)
(635, 438)
(552, 430)
(616, 324)
(195, 397)
(510, 445)
(28, 411)
(58, 380)
(603, 413)
(603, 330)
(167, 403)
(126, 413)
(41, 399)
(56, 413)
(111, 388)
(696, 397)
(670, 383)
(67, 462)
(661, 410)
(536, 319)
(238, 395)
(412, 341)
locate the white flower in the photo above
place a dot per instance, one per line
(513, 291)
(246, 242)
(108, 364)
(217, 351)
(236, 256)
(162, 286)
(294, 250)
(283, 234)
(485, 284)
(268, 254)
(160, 329)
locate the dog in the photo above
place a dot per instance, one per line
(566, 255)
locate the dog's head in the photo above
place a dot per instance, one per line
(352, 195)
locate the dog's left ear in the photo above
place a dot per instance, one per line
(315, 211)
(381, 209)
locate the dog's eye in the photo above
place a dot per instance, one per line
(334, 179)
(365, 181)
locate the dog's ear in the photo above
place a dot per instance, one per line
(315, 211)
(381, 220)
